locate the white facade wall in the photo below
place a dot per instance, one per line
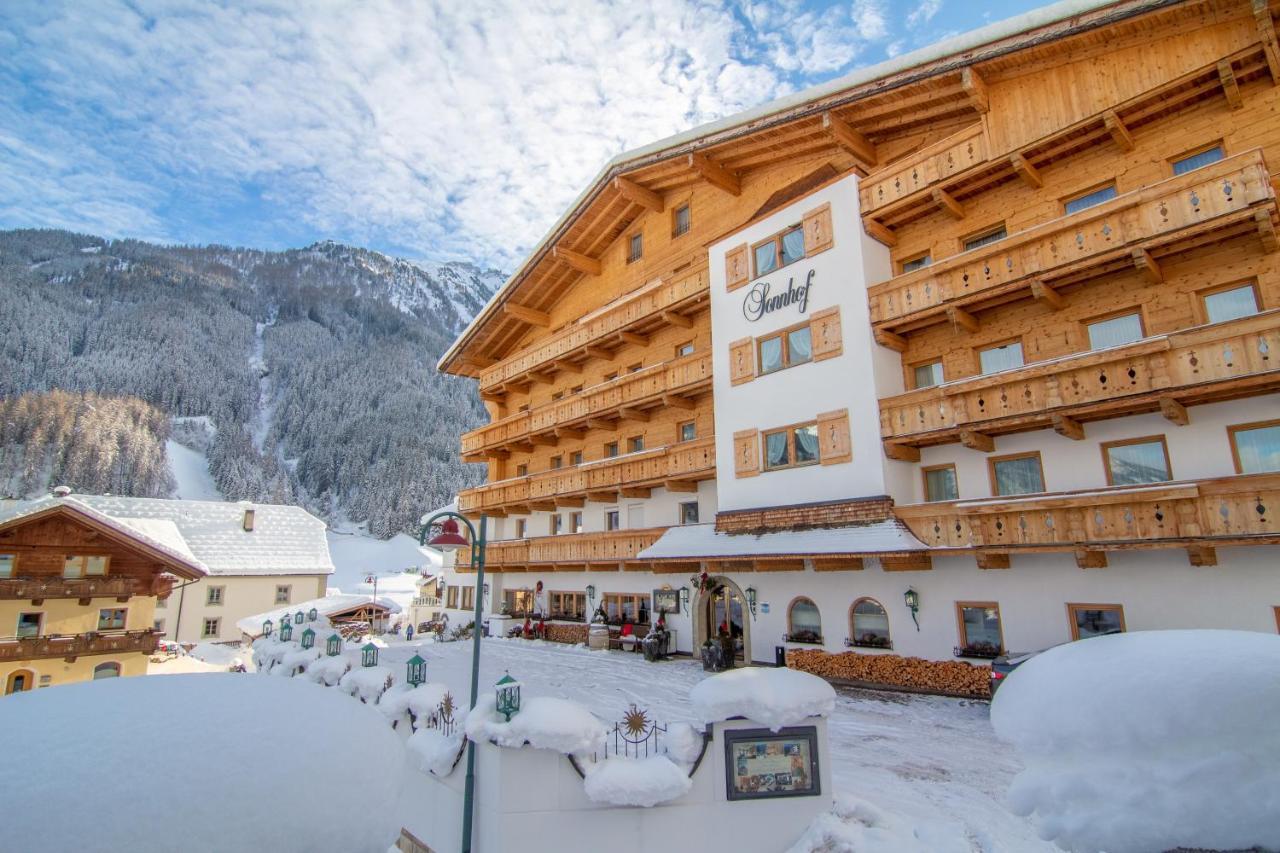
(182, 616)
(660, 509)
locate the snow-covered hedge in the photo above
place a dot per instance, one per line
(544, 722)
(773, 697)
(366, 682)
(635, 781)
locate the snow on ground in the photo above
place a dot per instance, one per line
(356, 556)
(190, 469)
(196, 764)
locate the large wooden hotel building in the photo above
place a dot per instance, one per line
(996, 323)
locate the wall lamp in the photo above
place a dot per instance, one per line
(912, 600)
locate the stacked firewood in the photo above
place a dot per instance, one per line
(566, 633)
(956, 678)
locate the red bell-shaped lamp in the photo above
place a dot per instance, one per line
(449, 538)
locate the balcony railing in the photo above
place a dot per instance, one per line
(1193, 513)
(684, 463)
(635, 314)
(1177, 213)
(572, 551)
(426, 601)
(122, 587)
(640, 390)
(1196, 365)
(71, 646)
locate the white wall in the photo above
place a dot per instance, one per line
(243, 595)
(660, 509)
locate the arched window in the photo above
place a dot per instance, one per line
(869, 624)
(804, 624)
(106, 670)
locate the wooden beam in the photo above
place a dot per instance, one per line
(1086, 559)
(901, 452)
(543, 440)
(599, 352)
(544, 378)
(569, 432)
(1266, 229)
(850, 140)
(879, 232)
(543, 506)
(1230, 88)
(977, 441)
(1174, 411)
(962, 319)
(570, 503)
(1119, 133)
(628, 414)
(635, 492)
(715, 174)
(580, 262)
(1267, 35)
(675, 401)
(1030, 174)
(1046, 294)
(680, 485)
(917, 562)
(603, 497)
(673, 319)
(1202, 555)
(498, 454)
(527, 315)
(1068, 427)
(895, 342)
(642, 196)
(569, 366)
(599, 423)
(948, 203)
(976, 89)
(493, 396)
(990, 560)
(633, 339)
(1148, 266)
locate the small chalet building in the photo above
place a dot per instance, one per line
(338, 610)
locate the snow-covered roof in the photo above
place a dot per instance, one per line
(704, 541)
(285, 540)
(330, 605)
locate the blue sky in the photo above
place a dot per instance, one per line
(423, 128)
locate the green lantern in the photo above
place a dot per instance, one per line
(312, 615)
(286, 631)
(369, 655)
(298, 617)
(266, 628)
(333, 645)
(508, 696)
(308, 638)
(417, 671)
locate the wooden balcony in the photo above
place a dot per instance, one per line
(574, 552)
(71, 646)
(629, 394)
(629, 320)
(1165, 373)
(1198, 515)
(676, 467)
(121, 588)
(1133, 231)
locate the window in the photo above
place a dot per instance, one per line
(635, 248)
(575, 522)
(689, 512)
(940, 483)
(556, 462)
(521, 524)
(468, 598)
(621, 607)
(804, 624)
(283, 593)
(1092, 620)
(575, 458)
(985, 237)
(162, 603)
(1231, 302)
(559, 395)
(213, 595)
(567, 605)
(1255, 447)
(980, 634)
(919, 262)
(688, 431)
(1019, 474)
(1136, 460)
(555, 524)
(611, 450)
(785, 349)
(926, 375)
(1115, 331)
(1089, 199)
(868, 624)
(576, 389)
(681, 220)
(779, 250)
(684, 349)
(609, 377)
(635, 368)
(111, 619)
(612, 520)
(451, 599)
(84, 566)
(635, 444)
(522, 470)
(7, 562)
(518, 602)
(28, 625)
(791, 447)
(106, 670)
(211, 627)
(523, 407)
(157, 625)
(1203, 157)
(1001, 357)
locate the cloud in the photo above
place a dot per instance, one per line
(923, 13)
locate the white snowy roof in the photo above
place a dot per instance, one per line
(325, 607)
(703, 541)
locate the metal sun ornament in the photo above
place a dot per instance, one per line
(636, 721)
(508, 696)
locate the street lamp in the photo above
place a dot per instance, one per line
(450, 538)
(912, 599)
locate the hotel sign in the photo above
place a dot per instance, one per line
(762, 299)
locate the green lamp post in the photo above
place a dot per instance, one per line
(298, 617)
(508, 696)
(308, 638)
(417, 670)
(368, 655)
(266, 628)
(286, 631)
(333, 645)
(912, 599)
(312, 615)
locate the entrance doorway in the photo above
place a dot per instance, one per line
(19, 680)
(723, 609)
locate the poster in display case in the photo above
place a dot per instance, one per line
(762, 764)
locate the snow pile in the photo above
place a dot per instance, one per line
(328, 670)
(367, 682)
(436, 753)
(293, 662)
(856, 826)
(543, 722)
(1149, 740)
(219, 653)
(423, 701)
(772, 697)
(683, 743)
(268, 652)
(221, 754)
(635, 781)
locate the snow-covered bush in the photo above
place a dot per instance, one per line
(544, 722)
(404, 702)
(328, 670)
(772, 697)
(366, 682)
(295, 662)
(635, 781)
(435, 752)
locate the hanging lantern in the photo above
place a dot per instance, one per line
(417, 670)
(286, 631)
(369, 655)
(312, 615)
(266, 628)
(591, 592)
(912, 599)
(297, 619)
(751, 599)
(508, 696)
(333, 645)
(308, 638)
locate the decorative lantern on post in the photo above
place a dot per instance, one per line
(266, 628)
(312, 615)
(298, 617)
(286, 631)
(308, 638)
(333, 645)
(912, 600)
(508, 696)
(369, 655)
(417, 670)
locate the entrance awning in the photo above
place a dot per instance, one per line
(702, 541)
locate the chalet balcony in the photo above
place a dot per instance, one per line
(629, 395)
(71, 646)
(603, 551)
(122, 588)
(1194, 514)
(676, 467)
(628, 321)
(1164, 373)
(1133, 231)
(426, 601)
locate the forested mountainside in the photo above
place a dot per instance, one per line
(315, 367)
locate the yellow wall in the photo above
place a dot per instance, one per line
(60, 672)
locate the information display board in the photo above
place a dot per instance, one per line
(762, 764)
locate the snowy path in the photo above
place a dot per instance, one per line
(930, 761)
(190, 469)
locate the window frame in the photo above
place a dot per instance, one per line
(1232, 429)
(612, 520)
(557, 462)
(635, 443)
(785, 336)
(680, 512)
(1133, 310)
(205, 633)
(791, 628)
(288, 593)
(776, 239)
(1073, 607)
(555, 524)
(575, 458)
(689, 345)
(926, 257)
(522, 528)
(680, 431)
(84, 566)
(1192, 152)
(11, 560)
(555, 604)
(611, 450)
(124, 618)
(789, 430)
(1105, 447)
(17, 624)
(106, 666)
(1008, 457)
(639, 600)
(978, 351)
(1203, 295)
(962, 634)
(676, 230)
(575, 521)
(924, 481)
(979, 237)
(915, 365)
(853, 626)
(1066, 200)
(209, 595)
(468, 597)
(634, 239)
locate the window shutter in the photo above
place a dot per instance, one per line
(834, 443)
(742, 361)
(736, 270)
(746, 453)
(817, 230)
(824, 332)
